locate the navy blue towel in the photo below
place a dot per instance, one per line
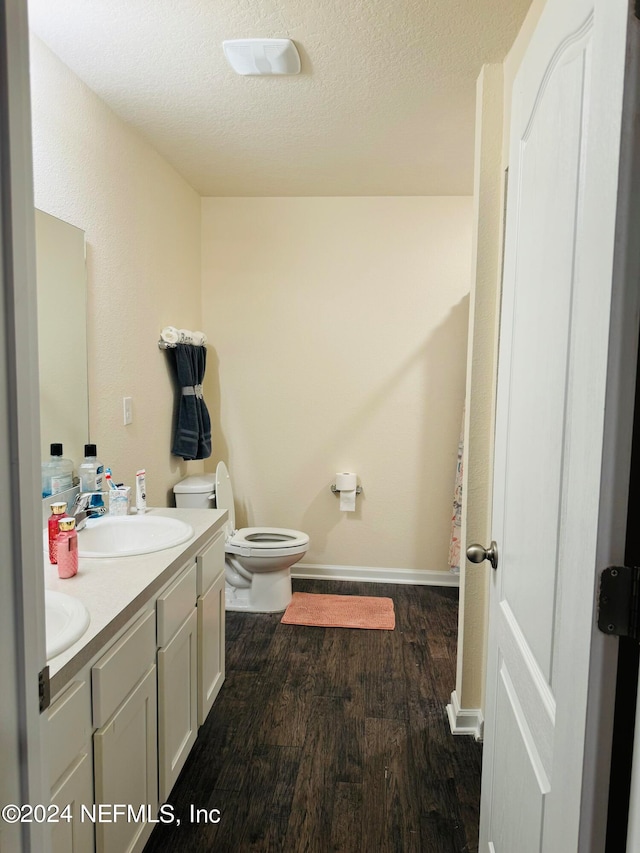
(192, 439)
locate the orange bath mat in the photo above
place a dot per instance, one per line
(340, 611)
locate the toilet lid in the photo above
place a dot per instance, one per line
(196, 484)
(224, 496)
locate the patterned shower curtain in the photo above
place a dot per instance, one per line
(456, 518)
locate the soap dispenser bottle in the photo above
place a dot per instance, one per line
(90, 470)
(58, 509)
(67, 548)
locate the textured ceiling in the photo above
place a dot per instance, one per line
(384, 104)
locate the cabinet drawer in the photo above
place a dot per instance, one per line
(175, 605)
(116, 674)
(210, 563)
(69, 728)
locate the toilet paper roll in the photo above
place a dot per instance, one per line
(346, 482)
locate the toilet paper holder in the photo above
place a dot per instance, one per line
(336, 490)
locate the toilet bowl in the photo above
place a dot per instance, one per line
(258, 559)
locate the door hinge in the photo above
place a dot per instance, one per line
(44, 689)
(619, 601)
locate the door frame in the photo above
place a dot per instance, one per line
(625, 761)
(24, 776)
(622, 377)
(623, 811)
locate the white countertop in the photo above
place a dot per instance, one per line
(114, 590)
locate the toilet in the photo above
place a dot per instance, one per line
(258, 559)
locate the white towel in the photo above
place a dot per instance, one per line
(198, 339)
(170, 335)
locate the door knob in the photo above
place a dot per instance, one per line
(476, 554)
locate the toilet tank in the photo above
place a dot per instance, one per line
(195, 492)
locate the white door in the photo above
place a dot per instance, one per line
(562, 430)
(23, 770)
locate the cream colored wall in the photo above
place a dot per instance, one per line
(480, 389)
(495, 86)
(142, 224)
(338, 342)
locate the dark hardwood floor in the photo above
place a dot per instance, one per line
(330, 739)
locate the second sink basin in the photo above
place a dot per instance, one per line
(66, 621)
(126, 536)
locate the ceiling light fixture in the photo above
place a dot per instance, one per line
(262, 56)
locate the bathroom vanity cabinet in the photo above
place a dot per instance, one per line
(120, 732)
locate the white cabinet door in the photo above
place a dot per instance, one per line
(69, 730)
(75, 789)
(71, 767)
(177, 702)
(126, 768)
(211, 610)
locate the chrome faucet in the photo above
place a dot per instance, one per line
(80, 508)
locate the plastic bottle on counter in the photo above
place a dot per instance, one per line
(141, 491)
(67, 548)
(90, 470)
(58, 509)
(57, 472)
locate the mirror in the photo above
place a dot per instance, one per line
(62, 336)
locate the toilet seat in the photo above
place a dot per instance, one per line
(269, 541)
(253, 541)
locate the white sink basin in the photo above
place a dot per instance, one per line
(128, 535)
(66, 621)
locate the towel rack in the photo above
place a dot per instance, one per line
(171, 336)
(164, 345)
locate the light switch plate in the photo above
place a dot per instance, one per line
(127, 407)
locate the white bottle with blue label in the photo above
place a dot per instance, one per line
(90, 470)
(91, 473)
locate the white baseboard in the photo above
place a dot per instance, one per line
(374, 574)
(465, 721)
